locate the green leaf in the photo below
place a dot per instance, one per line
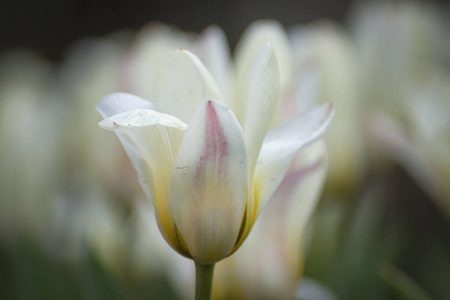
(402, 283)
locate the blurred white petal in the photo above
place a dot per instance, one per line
(182, 83)
(117, 103)
(254, 37)
(212, 49)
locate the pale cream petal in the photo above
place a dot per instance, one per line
(182, 83)
(153, 44)
(208, 183)
(260, 95)
(280, 146)
(255, 36)
(213, 50)
(304, 93)
(141, 118)
(307, 89)
(117, 103)
(303, 184)
(259, 100)
(277, 152)
(157, 138)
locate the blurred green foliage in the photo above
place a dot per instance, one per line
(392, 244)
(28, 273)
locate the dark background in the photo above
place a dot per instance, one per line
(50, 26)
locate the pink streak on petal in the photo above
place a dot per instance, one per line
(215, 148)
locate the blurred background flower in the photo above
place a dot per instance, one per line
(74, 223)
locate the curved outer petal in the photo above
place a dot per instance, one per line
(280, 146)
(208, 183)
(157, 138)
(212, 49)
(182, 83)
(277, 152)
(118, 103)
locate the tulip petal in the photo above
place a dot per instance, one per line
(302, 186)
(117, 103)
(208, 183)
(259, 97)
(306, 93)
(141, 118)
(258, 34)
(157, 138)
(280, 146)
(182, 83)
(212, 48)
(153, 44)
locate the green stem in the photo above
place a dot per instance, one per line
(203, 281)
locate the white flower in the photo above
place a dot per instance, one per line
(207, 172)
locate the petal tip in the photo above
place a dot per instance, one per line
(267, 47)
(327, 115)
(212, 29)
(330, 110)
(108, 124)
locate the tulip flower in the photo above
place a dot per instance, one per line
(207, 173)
